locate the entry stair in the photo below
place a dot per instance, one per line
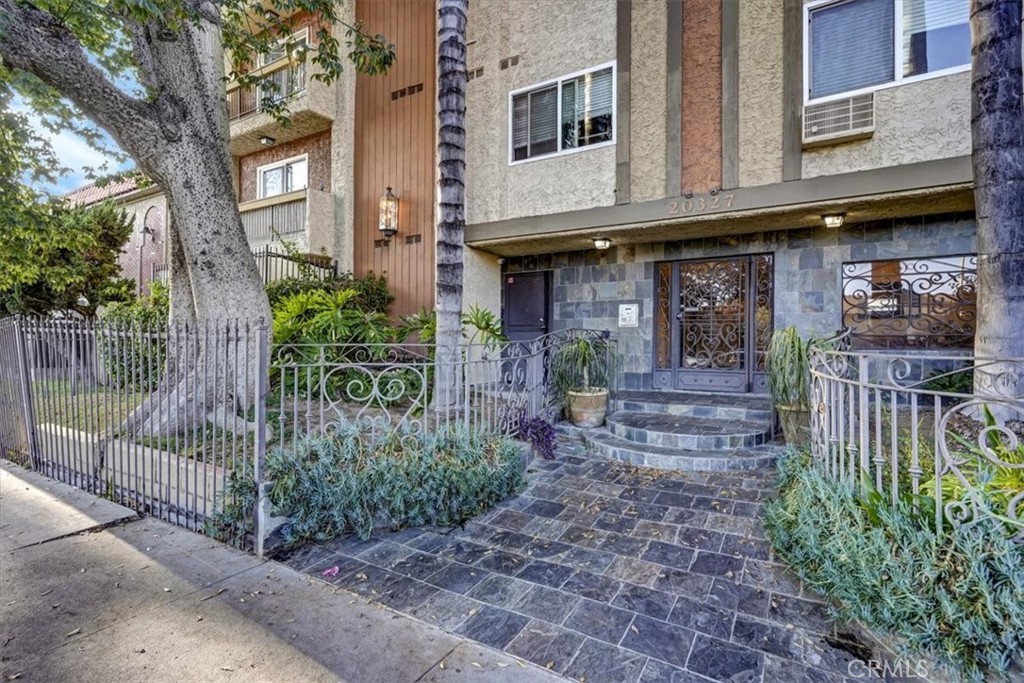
(689, 431)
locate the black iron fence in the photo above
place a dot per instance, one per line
(175, 420)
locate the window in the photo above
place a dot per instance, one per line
(911, 303)
(856, 45)
(564, 115)
(289, 80)
(282, 176)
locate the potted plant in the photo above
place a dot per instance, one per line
(579, 371)
(788, 381)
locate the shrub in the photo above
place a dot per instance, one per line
(350, 481)
(479, 326)
(132, 343)
(372, 294)
(329, 317)
(956, 597)
(540, 434)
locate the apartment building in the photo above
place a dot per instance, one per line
(688, 174)
(691, 175)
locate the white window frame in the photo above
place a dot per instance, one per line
(260, 170)
(512, 161)
(898, 77)
(301, 34)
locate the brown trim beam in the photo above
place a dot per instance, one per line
(674, 98)
(792, 89)
(730, 94)
(822, 189)
(623, 61)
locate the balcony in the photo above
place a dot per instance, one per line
(310, 107)
(304, 217)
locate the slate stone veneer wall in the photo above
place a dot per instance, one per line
(588, 286)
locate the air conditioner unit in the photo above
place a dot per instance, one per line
(850, 118)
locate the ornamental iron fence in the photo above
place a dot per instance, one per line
(175, 420)
(916, 429)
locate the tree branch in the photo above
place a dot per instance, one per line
(34, 41)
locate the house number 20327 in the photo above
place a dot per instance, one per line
(711, 202)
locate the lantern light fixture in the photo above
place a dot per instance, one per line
(388, 224)
(833, 220)
(602, 243)
(266, 140)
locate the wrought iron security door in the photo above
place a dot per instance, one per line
(713, 322)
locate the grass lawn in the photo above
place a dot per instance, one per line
(88, 408)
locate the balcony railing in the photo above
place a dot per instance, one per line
(245, 100)
(279, 216)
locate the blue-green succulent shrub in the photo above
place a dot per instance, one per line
(352, 481)
(955, 597)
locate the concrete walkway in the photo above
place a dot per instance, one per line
(91, 592)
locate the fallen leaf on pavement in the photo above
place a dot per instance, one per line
(75, 632)
(213, 595)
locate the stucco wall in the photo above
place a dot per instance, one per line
(760, 91)
(579, 36)
(929, 119)
(318, 147)
(481, 281)
(590, 285)
(647, 100)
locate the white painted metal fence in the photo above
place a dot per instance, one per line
(913, 428)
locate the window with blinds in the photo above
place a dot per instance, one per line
(854, 45)
(936, 36)
(573, 112)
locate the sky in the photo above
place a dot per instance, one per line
(72, 151)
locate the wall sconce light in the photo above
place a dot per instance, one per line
(833, 220)
(388, 224)
(266, 140)
(602, 243)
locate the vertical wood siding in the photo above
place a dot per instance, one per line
(395, 146)
(702, 95)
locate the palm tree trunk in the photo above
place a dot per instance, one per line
(997, 133)
(451, 161)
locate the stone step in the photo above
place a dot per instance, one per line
(696, 404)
(687, 432)
(662, 457)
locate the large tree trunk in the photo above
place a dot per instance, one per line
(451, 159)
(997, 132)
(179, 138)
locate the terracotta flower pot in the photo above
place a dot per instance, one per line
(796, 424)
(587, 407)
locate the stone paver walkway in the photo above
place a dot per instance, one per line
(603, 571)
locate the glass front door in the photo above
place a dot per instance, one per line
(713, 322)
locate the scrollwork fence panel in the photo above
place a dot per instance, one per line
(915, 429)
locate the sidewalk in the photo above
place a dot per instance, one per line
(142, 600)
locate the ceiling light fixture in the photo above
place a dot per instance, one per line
(833, 220)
